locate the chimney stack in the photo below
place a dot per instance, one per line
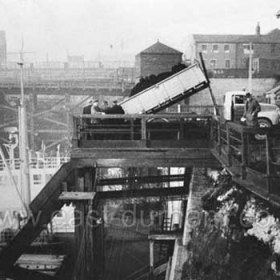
(258, 29)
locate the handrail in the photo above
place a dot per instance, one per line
(249, 152)
(144, 116)
(35, 163)
(145, 128)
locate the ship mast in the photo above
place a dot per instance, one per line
(250, 68)
(23, 141)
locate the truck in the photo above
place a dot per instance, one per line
(167, 92)
(233, 109)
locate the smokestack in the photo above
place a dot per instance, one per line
(258, 29)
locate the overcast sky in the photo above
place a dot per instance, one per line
(112, 28)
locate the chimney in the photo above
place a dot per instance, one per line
(258, 29)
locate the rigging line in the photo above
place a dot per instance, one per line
(13, 181)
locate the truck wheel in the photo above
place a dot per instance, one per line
(264, 123)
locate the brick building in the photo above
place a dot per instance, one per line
(266, 66)
(273, 96)
(228, 55)
(156, 59)
(3, 47)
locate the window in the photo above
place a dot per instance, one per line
(213, 63)
(246, 48)
(204, 48)
(37, 179)
(273, 48)
(239, 99)
(215, 48)
(227, 63)
(226, 48)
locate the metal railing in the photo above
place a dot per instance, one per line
(253, 154)
(35, 163)
(143, 130)
(68, 73)
(97, 64)
(193, 109)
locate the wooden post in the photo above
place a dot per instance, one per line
(219, 137)
(151, 259)
(76, 132)
(144, 131)
(88, 233)
(78, 272)
(244, 158)
(131, 129)
(268, 171)
(229, 159)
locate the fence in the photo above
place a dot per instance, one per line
(253, 154)
(160, 130)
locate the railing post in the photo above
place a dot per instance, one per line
(144, 131)
(229, 153)
(131, 129)
(151, 274)
(219, 137)
(244, 157)
(76, 132)
(210, 124)
(268, 171)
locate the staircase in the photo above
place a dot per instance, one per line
(42, 208)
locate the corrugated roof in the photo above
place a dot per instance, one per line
(160, 48)
(271, 37)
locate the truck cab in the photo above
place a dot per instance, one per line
(234, 102)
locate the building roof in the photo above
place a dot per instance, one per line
(160, 48)
(271, 37)
(267, 57)
(275, 90)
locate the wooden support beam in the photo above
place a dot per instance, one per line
(160, 269)
(156, 192)
(74, 196)
(151, 259)
(165, 236)
(56, 142)
(88, 234)
(148, 157)
(18, 273)
(138, 180)
(40, 261)
(53, 121)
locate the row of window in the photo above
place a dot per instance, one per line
(215, 48)
(213, 63)
(226, 48)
